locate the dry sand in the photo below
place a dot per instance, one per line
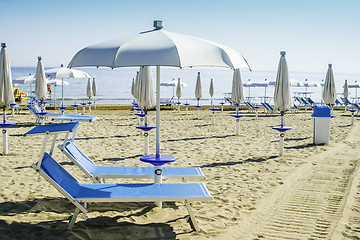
(313, 192)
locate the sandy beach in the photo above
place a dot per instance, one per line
(313, 192)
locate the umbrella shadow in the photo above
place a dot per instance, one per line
(292, 139)
(249, 160)
(120, 159)
(301, 146)
(203, 125)
(197, 138)
(117, 136)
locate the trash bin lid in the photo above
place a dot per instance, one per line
(321, 111)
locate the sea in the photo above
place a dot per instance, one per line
(114, 85)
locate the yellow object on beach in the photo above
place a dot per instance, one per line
(20, 96)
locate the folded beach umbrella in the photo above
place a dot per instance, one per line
(158, 47)
(329, 92)
(146, 98)
(237, 91)
(133, 87)
(6, 91)
(40, 83)
(282, 93)
(136, 86)
(211, 90)
(94, 90)
(346, 90)
(198, 89)
(178, 92)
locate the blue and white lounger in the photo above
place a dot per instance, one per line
(75, 118)
(80, 194)
(96, 173)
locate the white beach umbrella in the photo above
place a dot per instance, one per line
(346, 90)
(29, 79)
(65, 73)
(211, 90)
(158, 48)
(146, 99)
(237, 90)
(94, 90)
(6, 90)
(355, 85)
(40, 83)
(198, 88)
(133, 88)
(329, 92)
(89, 89)
(178, 89)
(308, 84)
(282, 93)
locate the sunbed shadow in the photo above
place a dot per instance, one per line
(202, 125)
(197, 138)
(292, 139)
(344, 126)
(93, 228)
(219, 164)
(90, 138)
(301, 146)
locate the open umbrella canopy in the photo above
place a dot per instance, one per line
(40, 83)
(282, 93)
(56, 82)
(63, 72)
(6, 90)
(178, 89)
(172, 83)
(29, 79)
(237, 91)
(89, 89)
(308, 83)
(146, 95)
(158, 48)
(198, 88)
(329, 92)
(346, 90)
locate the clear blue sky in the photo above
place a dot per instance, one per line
(312, 32)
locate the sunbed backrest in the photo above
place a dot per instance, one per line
(31, 109)
(79, 156)
(59, 175)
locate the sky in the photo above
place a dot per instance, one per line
(313, 33)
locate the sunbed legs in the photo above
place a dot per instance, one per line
(73, 219)
(192, 216)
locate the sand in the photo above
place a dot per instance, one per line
(313, 192)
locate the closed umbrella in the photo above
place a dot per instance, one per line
(198, 93)
(282, 97)
(211, 91)
(133, 87)
(94, 90)
(346, 92)
(89, 92)
(178, 93)
(65, 73)
(40, 83)
(237, 96)
(6, 91)
(159, 48)
(136, 86)
(329, 92)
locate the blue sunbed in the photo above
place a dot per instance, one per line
(79, 193)
(75, 117)
(96, 173)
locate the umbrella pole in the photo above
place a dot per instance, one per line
(158, 112)
(178, 104)
(94, 103)
(198, 114)
(4, 131)
(146, 136)
(62, 95)
(237, 120)
(282, 135)
(89, 104)
(158, 177)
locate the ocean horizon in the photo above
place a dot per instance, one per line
(114, 85)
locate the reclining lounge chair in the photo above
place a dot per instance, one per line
(80, 194)
(99, 173)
